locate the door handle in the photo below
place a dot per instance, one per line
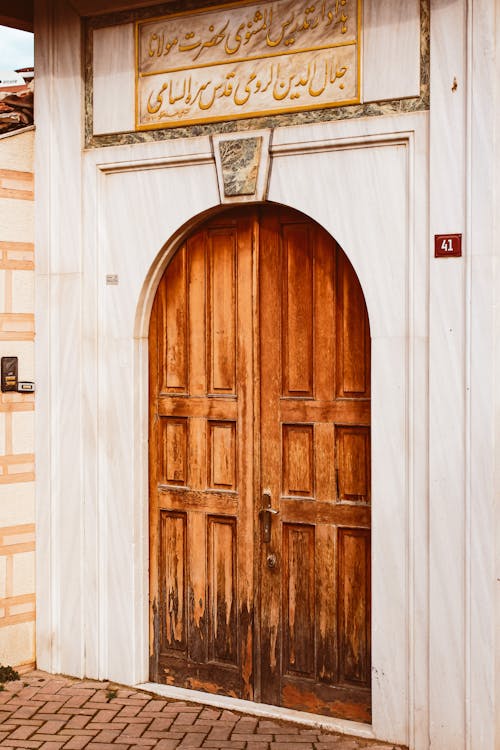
(267, 513)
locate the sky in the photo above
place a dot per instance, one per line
(16, 49)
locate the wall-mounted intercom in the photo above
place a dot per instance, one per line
(9, 377)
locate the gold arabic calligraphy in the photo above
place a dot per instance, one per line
(263, 26)
(313, 80)
(247, 59)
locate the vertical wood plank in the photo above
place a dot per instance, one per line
(197, 451)
(175, 342)
(196, 246)
(353, 336)
(197, 588)
(354, 606)
(222, 333)
(297, 311)
(326, 604)
(172, 565)
(222, 630)
(299, 600)
(323, 248)
(324, 464)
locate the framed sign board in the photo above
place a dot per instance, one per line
(246, 60)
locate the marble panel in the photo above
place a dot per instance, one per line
(47, 640)
(390, 559)
(90, 431)
(391, 50)
(484, 376)
(64, 427)
(162, 200)
(114, 79)
(59, 368)
(115, 506)
(448, 548)
(240, 165)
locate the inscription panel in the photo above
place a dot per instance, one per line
(246, 59)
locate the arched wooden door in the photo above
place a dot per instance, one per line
(260, 467)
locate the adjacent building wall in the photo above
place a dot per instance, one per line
(17, 471)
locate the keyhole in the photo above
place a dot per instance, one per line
(271, 561)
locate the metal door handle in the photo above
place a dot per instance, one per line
(267, 513)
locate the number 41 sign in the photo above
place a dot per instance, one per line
(447, 245)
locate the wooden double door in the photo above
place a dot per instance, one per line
(260, 467)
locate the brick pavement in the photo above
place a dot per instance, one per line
(47, 712)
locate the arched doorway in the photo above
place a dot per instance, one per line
(259, 350)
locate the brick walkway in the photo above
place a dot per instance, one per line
(52, 712)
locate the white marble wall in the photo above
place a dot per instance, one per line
(383, 187)
(59, 373)
(447, 380)
(142, 197)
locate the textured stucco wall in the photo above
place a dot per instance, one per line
(17, 510)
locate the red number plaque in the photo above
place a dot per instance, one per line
(447, 245)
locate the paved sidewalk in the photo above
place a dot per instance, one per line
(52, 712)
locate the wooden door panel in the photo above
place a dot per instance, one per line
(297, 312)
(315, 439)
(353, 336)
(299, 599)
(221, 313)
(260, 388)
(201, 364)
(298, 460)
(353, 606)
(222, 455)
(173, 365)
(221, 579)
(315, 697)
(352, 449)
(173, 434)
(173, 580)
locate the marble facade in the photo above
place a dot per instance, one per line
(383, 180)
